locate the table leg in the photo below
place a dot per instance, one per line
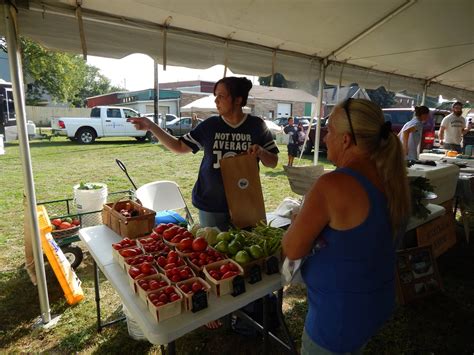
(265, 324)
(171, 348)
(97, 296)
(281, 319)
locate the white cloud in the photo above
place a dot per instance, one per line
(135, 72)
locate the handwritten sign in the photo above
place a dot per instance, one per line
(440, 233)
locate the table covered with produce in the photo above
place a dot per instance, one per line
(174, 280)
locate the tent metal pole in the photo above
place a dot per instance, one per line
(319, 110)
(16, 71)
(156, 94)
(425, 90)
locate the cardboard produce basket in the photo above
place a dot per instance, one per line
(221, 287)
(167, 311)
(188, 298)
(144, 294)
(128, 227)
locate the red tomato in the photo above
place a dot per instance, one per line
(184, 274)
(163, 283)
(160, 228)
(229, 274)
(65, 225)
(175, 278)
(172, 259)
(153, 296)
(146, 268)
(188, 234)
(224, 268)
(154, 285)
(134, 272)
(172, 253)
(57, 222)
(163, 298)
(76, 221)
(174, 297)
(216, 275)
(184, 288)
(117, 246)
(233, 267)
(199, 244)
(161, 260)
(170, 266)
(169, 290)
(185, 244)
(195, 261)
(159, 304)
(196, 286)
(170, 232)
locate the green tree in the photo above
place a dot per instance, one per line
(381, 97)
(64, 77)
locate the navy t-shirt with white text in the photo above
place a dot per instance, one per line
(219, 139)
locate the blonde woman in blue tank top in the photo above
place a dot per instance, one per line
(352, 215)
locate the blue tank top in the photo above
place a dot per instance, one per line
(351, 279)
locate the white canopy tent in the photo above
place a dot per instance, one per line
(415, 45)
(205, 104)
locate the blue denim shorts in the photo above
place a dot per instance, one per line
(214, 219)
(309, 347)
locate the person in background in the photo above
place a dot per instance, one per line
(194, 121)
(291, 131)
(300, 136)
(346, 231)
(411, 133)
(453, 128)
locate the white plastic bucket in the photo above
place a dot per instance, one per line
(89, 201)
(134, 329)
(2, 148)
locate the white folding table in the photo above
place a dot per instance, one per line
(99, 240)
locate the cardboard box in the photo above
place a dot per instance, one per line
(439, 233)
(417, 274)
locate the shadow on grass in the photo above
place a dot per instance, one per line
(19, 306)
(19, 300)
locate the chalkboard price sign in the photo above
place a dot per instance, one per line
(199, 301)
(238, 284)
(272, 265)
(255, 274)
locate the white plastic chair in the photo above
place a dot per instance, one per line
(161, 196)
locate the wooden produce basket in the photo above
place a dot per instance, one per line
(188, 298)
(128, 227)
(221, 287)
(167, 311)
(144, 294)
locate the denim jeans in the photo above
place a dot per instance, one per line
(309, 347)
(214, 219)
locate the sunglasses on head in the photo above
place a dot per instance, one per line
(346, 109)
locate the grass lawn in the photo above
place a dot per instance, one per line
(442, 324)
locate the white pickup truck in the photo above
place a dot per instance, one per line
(104, 121)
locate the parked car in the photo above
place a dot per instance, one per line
(104, 121)
(273, 127)
(169, 117)
(283, 121)
(180, 126)
(398, 117)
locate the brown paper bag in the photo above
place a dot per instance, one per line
(243, 190)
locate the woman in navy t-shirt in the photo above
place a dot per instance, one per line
(351, 215)
(229, 134)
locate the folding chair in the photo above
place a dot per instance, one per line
(161, 196)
